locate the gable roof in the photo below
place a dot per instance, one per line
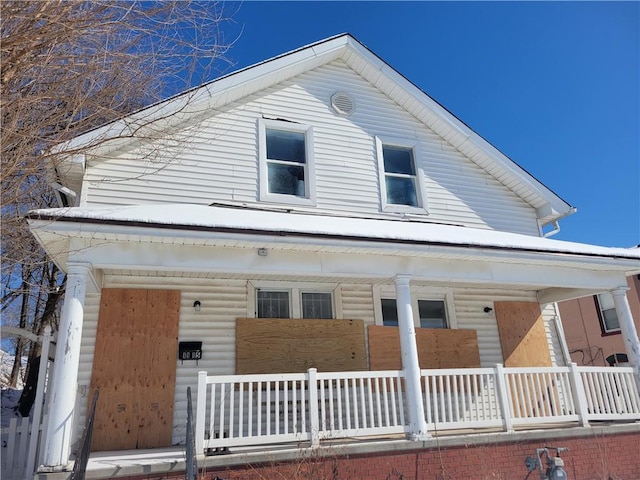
(192, 103)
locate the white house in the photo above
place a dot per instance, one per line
(339, 253)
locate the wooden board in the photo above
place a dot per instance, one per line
(522, 334)
(295, 345)
(134, 367)
(437, 348)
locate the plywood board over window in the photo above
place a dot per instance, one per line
(437, 348)
(522, 334)
(295, 345)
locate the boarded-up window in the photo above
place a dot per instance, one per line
(522, 334)
(295, 345)
(437, 348)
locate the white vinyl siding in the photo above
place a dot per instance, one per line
(224, 300)
(220, 160)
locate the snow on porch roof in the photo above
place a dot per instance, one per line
(260, 222)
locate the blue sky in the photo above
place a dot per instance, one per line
(553, 85)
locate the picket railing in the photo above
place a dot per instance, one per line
(21, 443)
(17, 441)
(611, 393)
(235, 410)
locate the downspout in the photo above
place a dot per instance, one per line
(556, 224)
(556, 229)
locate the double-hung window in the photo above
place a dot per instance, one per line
(401, 181)
(431, 313)
(294, 302)
(286, 162)
(430, 308)
(607, 313)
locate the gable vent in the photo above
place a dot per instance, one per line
(343, 103)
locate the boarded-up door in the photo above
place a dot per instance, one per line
(134, 367)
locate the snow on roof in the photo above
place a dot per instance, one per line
(251, 221)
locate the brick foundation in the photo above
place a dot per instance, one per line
(603, 457)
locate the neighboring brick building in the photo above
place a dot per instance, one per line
(591, 327)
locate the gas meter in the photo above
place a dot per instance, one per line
(554, 464)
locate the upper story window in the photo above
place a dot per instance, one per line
(286, 162)
(401, 180)
(607, 313)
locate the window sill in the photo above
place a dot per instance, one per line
(287, 200)
(610, 333)
(405, 210)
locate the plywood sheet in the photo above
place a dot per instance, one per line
(134, 367)
(437, 348)
(295, 345)
(522, 334)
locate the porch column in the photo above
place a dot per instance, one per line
(410, 363)
(627, 327)
(62, 392)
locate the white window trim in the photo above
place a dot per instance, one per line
(421, 191)
(295, 290)
(601, 317)
(310, 178)
(417, 293)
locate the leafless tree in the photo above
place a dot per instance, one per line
(68, 67)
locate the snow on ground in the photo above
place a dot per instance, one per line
(10, 396)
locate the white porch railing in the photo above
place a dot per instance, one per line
(235, 410)
(18, 458)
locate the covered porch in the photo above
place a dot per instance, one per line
(221, 265)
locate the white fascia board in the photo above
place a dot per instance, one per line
(337, 234)
(236, 85)
(214, 94)
(110, 254)
(463, 138)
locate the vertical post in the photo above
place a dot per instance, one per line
(503, 397)
(36, 418)
(579, 395)
(65, 370)
(201, 411)
(410, 364)
(627, 328)
(314, 420)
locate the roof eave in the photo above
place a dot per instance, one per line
(196, 102)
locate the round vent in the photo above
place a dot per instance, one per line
(343, 103)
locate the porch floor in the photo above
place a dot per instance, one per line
(158, 461)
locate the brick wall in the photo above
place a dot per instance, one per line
(610, 457)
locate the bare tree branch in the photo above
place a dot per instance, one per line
(67, 67)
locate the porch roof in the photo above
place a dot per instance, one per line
(305, 228)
